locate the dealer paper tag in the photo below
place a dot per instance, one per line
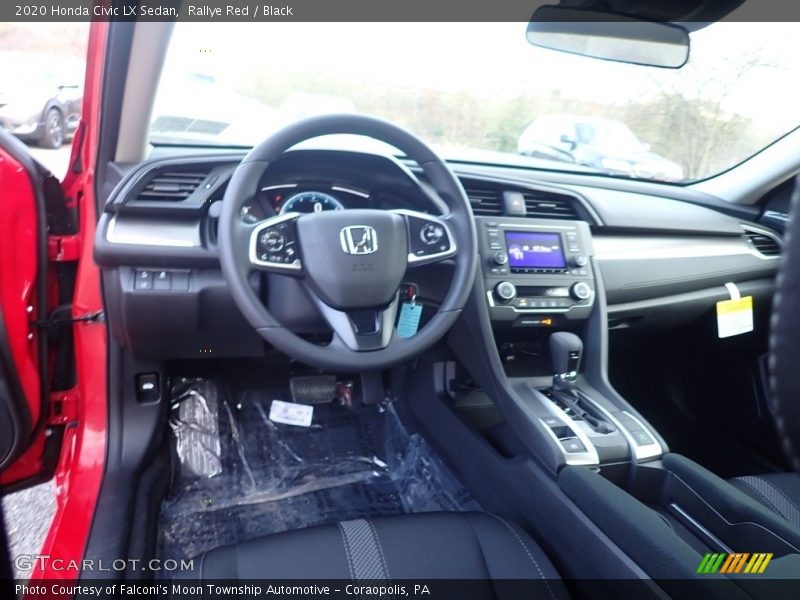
(408, 324)
(291, 414)
(734, 317)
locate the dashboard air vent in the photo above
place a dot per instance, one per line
(764, 244)
(541, 205)
(485, 201)
(172, 186)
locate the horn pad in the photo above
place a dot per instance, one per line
(353, 258)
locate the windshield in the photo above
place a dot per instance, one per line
(611, 136)
(480, 92)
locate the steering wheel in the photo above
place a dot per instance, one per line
(351, 262)
(785, 339)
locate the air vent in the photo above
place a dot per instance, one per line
(541, 205)
(172, 186)
(764, 244)
(485, 201)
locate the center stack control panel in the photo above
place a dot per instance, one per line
(537, 272)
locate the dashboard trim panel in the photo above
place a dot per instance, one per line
(611, 248)
(153, 233)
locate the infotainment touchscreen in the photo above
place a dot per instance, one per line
(534, 250)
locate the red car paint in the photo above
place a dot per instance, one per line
(81, 462)
(18, 231)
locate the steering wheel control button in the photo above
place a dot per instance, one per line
(428, 238)
(505, 291)
(431, 233)
(581, 291)
(275, 243)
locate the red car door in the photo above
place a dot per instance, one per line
(52, 334)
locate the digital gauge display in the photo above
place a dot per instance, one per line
(310, 202)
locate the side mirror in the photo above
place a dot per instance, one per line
(609, 36)
(569, 140)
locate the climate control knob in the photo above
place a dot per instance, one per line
(505, 291)
(581, 290)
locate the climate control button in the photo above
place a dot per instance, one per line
(505, 291)
(581, 290)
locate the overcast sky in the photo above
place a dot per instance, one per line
(495, 59)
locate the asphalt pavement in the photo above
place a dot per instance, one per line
(28, 515)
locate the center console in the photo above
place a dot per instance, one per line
(542, 292)
(536, 271)
(529, 379)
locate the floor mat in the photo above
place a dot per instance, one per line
(240, 475)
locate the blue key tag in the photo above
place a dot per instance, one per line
(408, 324)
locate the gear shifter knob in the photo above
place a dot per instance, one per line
(565, 353)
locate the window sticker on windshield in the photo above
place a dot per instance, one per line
(291, 414)
(734, 317)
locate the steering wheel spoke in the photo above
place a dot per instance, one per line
(274, 245)
(429, 238)
(361, 330)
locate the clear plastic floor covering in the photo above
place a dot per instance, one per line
(239, 475)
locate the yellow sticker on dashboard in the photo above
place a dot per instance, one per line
(734, 317)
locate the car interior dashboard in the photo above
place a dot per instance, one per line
(157, 238)
(563, 267)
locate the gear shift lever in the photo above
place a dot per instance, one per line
(565, 352)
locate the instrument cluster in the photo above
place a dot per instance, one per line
(284, 198)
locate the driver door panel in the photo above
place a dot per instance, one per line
(23, 298)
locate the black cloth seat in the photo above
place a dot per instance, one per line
(419, 546)
(779, 492)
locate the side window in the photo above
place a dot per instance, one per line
(41, 85)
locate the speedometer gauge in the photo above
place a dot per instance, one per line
(308, 202)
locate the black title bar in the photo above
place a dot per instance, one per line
(335, 10)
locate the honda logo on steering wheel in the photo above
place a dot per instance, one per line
(358, 239)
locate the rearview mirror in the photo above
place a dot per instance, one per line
(609, 36)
